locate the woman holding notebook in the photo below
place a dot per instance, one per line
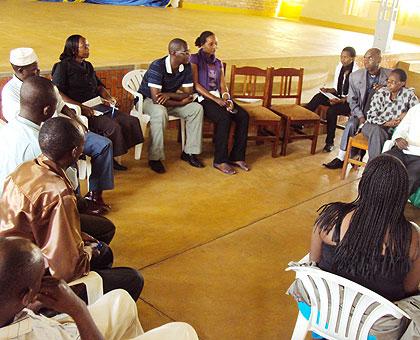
(77, 82)
(336, 97)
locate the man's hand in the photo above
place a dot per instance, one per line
(162, 98)
(56, 294)
(376, 87)
(87, 111)
(187, 100)
(362, 120)
(401, 143)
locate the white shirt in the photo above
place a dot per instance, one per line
(337, 73)
(30, 326)
(10, 99)
(20, 144)
(409, 129)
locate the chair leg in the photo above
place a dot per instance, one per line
(276, 142)
(286, 137)
(182, 134)
(346, 159)
(315, 137)
(137, 151)
(82, 165)
(301, 328)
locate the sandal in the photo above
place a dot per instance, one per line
(225, 168)
(241, 164)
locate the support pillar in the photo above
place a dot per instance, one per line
(385, 24)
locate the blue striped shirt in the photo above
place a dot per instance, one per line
(160, 76)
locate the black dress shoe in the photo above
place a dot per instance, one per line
(119, 167)
(328, 147)
(192, 159)
(95, 209)
(336, 163)
(157, 166)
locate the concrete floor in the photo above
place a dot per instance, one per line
(212, 248)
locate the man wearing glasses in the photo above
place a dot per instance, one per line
(167, 88)
(362, 84)
(388, 107)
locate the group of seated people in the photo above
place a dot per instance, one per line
(40, 202)
(378, 105)
(43, 244)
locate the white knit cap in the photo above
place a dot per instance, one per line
(23, 56)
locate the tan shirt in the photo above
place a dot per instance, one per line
(38, 203)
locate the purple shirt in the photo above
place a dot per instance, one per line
(209, 70)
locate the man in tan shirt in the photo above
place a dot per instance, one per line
(38, 203)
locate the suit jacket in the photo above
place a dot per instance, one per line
(357, 89)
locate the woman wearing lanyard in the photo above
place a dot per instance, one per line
(77, 82)
(209, 82)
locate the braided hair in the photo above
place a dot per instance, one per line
(378, 238)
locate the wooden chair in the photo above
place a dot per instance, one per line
(321, 110)
(248, 86)
(360, 142)
(290, 87)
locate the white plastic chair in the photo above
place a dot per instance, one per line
(131, 83)
(326, 319)
(94, 286)
(84, 165)
(94, 289)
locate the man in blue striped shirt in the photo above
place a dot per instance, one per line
(167, 88)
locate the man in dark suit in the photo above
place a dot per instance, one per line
(363, 83)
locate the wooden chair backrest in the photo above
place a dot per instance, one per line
(286, 83)
(250, 82)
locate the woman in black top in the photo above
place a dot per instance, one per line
(369, 240)
(77, 82)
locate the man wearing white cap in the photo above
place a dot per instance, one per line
(24, 62)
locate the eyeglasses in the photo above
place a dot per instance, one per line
(186, 52)
(393, 82)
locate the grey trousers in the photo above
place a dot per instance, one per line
(376, 135)
(192, 113)
(350, 131)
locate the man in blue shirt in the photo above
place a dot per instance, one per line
(167, 88)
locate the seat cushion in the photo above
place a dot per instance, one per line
(258, 112)
(360, 141)
(295, 112)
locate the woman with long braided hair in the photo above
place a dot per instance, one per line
(369, 240)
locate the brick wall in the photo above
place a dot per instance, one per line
(265, 6)
(111, 77)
